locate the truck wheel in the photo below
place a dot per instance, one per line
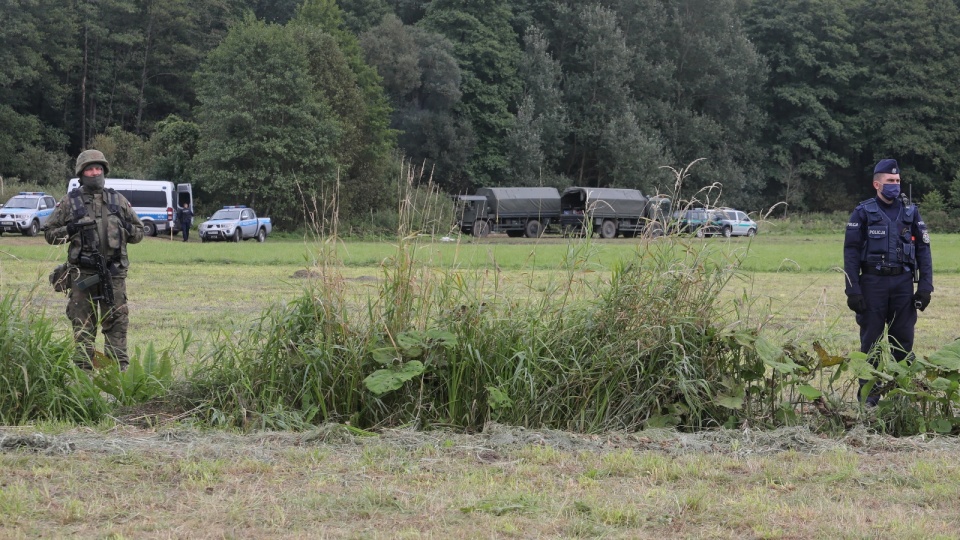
(236, 235)
(608, 229)
(727, 232)
(149, 228)
(33, 229)
(533, 229)
(656, 230)
(261, 235)
(481, 228)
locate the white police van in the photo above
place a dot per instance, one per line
(26, 212)
(154, 201)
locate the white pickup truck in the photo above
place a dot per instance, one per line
(235, 223)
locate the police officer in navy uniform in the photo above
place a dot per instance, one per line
(886, 250)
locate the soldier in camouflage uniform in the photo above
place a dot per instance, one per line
(116, 226)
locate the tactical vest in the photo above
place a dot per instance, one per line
(112, 200)
(889, 243)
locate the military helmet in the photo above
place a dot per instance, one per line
(88, 157)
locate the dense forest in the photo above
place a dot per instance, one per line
(280, 102)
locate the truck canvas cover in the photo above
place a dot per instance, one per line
(523, 200)
(605, 202)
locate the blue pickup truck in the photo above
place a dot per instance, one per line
(235, 223)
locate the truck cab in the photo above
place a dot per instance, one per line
(472, 214)
(611, 211)
(26, 212)
(516, 211)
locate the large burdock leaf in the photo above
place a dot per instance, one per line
(382, 381)
(808, 391)
(730, 402)
(773, 356)
(947, 358)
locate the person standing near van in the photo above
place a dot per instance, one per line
(98, 223)
(185, 218)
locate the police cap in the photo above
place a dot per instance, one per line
(887, 166)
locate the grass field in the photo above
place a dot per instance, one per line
(120, 481)
(197, 288)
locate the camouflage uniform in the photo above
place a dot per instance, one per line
(117, 225)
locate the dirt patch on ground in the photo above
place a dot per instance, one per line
(182, 440)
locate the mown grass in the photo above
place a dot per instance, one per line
(458, 487)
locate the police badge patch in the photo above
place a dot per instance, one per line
(926, 237)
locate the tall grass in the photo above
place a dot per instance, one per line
(38, 380)
(654, 345)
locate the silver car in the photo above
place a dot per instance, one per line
(730, 222)
(26, 212)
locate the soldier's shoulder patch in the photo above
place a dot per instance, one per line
(926, 237)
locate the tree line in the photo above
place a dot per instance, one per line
(281, 103)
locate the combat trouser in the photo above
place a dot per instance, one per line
(85, 314)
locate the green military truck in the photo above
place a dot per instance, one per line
(612, 211)
(516, 211)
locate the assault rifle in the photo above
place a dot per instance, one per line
(97, 261)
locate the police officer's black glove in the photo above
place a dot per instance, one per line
(921, 299)
(856, 303)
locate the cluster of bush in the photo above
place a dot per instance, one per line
(658, 345)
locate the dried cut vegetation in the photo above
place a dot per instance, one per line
(505, 481)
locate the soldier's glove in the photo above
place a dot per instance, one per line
(921, 300)
(73, 228)
(857, 304)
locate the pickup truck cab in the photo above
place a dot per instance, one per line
(26, 212)
(235, 223)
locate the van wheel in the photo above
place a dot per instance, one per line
(33, 229)
(700, 232)
(752, 232)
(533, 229)
(261, 235)
(481, 228)
(149, 228)
(608, 229)
(727, 232)
(656, 230)
(236, 236)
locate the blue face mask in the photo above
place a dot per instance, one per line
(891, 191)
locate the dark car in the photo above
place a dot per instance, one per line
(693, 221)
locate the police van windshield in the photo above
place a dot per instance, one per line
(226, 214)
(22, 202)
